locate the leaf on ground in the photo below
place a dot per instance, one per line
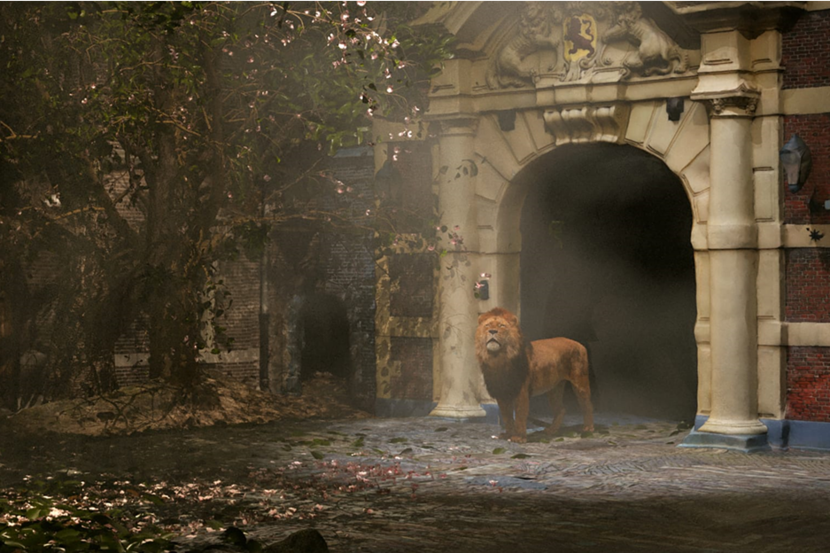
(499, 451)
(397, 441)
(406, 451)
(520, 456)
(317, 454)
(441, 429)
(358, 442)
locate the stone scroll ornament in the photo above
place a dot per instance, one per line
(578, 33)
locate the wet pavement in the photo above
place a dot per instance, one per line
(425, 484)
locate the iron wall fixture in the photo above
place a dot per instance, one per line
(483, 289)
(674, 107)
(796, 161)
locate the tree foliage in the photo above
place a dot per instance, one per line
(140, 142)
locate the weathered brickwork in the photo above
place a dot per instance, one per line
(350, 272)
(807, 205)
(412, 278)
(808, 384)
(806, 51)
(808, 285)
(241, 278)
(414, 356)
(130, 376)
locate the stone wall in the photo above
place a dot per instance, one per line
(406, 287)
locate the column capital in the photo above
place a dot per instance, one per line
(736, 101)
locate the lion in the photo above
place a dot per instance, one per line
(515, 370)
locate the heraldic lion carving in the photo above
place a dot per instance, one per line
(514, 370)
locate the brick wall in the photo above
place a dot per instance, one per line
(350, 271)
(806, 60)
(806, 51)
(808, 285)
(241, 278)
(808, 384)
(807, 205)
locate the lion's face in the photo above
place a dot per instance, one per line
(497, 332)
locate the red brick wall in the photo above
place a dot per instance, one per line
(806, 61)
(807, 205)
(808, 285)
(806, 51)
(808, 384)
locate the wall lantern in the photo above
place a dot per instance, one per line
(797, 162)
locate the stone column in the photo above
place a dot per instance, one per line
(458, 312)
(732, 237)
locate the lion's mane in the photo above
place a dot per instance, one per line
(506, 370)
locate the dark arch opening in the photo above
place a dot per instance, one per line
(607, 260)
(325, 325)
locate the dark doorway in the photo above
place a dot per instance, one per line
(607, 261)
(325, 327)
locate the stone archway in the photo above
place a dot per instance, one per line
(705, 100)
(607, 261)
(493, 204)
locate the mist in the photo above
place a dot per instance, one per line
(607, 260)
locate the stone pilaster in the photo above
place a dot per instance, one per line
(733, 257)
(460, 375)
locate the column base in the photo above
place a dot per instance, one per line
(458, 411)
(747, 443)
(733, 427)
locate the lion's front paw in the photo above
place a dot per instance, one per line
(504, 436)
(518, 439)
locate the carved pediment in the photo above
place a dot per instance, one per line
(584, 42)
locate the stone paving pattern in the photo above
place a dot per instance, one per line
(425, 484)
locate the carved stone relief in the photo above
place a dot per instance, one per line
(539, 29)
(656, 53)
(591, 41)
(587, 124)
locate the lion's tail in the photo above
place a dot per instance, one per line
(592, 377)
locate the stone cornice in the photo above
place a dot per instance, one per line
(750, 18)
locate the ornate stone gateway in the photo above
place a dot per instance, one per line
(694, 84)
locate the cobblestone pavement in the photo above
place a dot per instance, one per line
(424, 484)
